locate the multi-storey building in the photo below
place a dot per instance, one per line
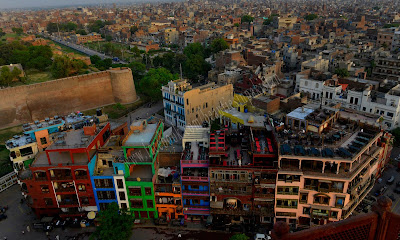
(36, 137)
(58, 180)
(242, 178)
(141, 147)
(184, 105)
(167, 186)
(387, 66)
(194, 172)
(327, 165)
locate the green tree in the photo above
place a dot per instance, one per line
(247, 18)
(97, 25)
(270, 19)
(342, 72)
(218, 45)
(18, 31)
(134, 29)
(70, 26)
(109, 38)
(239, 236)
(151, 83)
(138, 70)
(194, 49)
(40, 63)
(115, 224)
(52, 27)
(6, 76)
(311, 17)
(63, 66)
(385, 46)
(236, 25)
(108, 48)
(81, 32)
(195, 66)
(2, 33)
(95, 59)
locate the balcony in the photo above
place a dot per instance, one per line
(194, 192)
(264, 195)
(194, 178)
(60, 174)
(230, 192)
(238, 212)
(64, 187)
(194, 163)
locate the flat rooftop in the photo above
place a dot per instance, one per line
(142, 138)
(300, 113)
(139, 155)
(141, 171)
(44, 124)
(247, 119)
(342, 140)
(71, 139)
(19, 141)
(63, 158)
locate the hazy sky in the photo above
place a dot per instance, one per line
(52, 3)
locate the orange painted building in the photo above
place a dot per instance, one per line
(167, 187)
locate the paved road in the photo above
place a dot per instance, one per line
(83, 49)
(144, 112)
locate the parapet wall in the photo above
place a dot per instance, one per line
(63, 96)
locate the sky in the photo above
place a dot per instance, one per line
(6, 4)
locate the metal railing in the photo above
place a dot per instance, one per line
(8, 181)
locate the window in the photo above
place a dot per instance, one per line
(135, 191)
(122, 196)
(120, 183)
(339, 202)
(306, 83)
(303, 197)
(43, 141)
(45, 188)
(84, 200)
(286, 203)
(150, 204)
(317, 85)
(48, 201)
(124, 206)
(334, 214)
(321, 199)
(136, 203)
(26, 151)
(389, 114)
(81, 187)
(364, 108)
(147, 191)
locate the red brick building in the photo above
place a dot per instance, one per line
(58, 180)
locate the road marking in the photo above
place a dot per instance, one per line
(20, 208)
(394, 206)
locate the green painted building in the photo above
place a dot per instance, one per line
(141, 147)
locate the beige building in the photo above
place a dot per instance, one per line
(185, 105)
(323, 178)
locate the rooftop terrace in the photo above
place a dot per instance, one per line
(343, 140)
(63, 158)
(141, 137)
(19, 141)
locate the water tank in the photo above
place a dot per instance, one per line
(99, 112)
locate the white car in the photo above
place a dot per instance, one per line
(260, 236)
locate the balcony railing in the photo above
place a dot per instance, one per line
(67, 189)
(41, 179)
(230, 192)
(239, 212)
(194, 178)
(264, 195)
(200, 162)
(61, 177)
(287, 193)
(67, 202)
(283, 206)
(193, 192)
(81, 177)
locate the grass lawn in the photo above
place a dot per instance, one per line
(117, 110)
(13, 35)
(68, 49)
(5, 162)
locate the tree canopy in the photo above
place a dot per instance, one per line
(218, 45)
(247, 18)
(342, 72)
(7, 76)
(63, 27)
(311, 17)
(239, 236)
(134, 29)
(115, 224)
(151, 83)
(18, 31)
(270, 19)
(63, 66)
(97, 25)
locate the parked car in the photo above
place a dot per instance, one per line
(381, 191)
(260, 236)
(3, 216)
(179, 222)
(390, 180)
(160, 221)
(392, 197)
